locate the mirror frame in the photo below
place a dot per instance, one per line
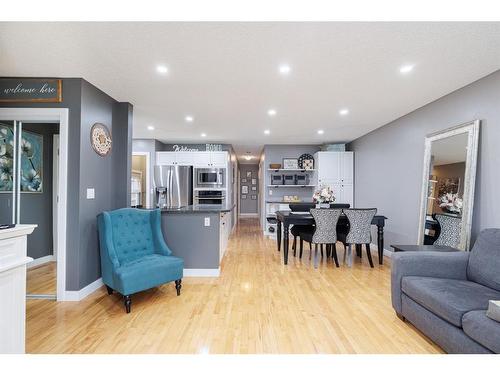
(472, 129)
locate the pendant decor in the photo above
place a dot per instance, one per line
(100, 138)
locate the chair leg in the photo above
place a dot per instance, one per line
(178, 286)
(301, 248)
(110, 290)
(359, 250)
(328, 250)
(294, 245)
(315, 255)
(369, 255)
(334, 253)
(128, 303)
(321, 250)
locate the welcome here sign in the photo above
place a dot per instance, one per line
(19, 90)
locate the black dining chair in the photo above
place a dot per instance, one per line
(296, 229)
(325, 232)
(359, 233)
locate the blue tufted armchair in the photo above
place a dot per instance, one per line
(134, 255)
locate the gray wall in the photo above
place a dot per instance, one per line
(87, 104)
(248, 205)
(389, 160)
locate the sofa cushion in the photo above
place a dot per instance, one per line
(448, 298)
(484, 260)
(147, 272)
(482, 329)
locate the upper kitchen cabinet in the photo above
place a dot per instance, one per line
(200, 159)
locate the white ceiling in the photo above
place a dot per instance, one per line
(450, 150)
(226, 74)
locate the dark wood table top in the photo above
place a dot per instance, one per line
(441, 248)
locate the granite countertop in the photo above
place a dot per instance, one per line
(195, 208)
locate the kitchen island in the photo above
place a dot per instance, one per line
(199, 234)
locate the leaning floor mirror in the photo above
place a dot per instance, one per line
(448, 181)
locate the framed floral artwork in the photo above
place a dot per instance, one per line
(31, 160)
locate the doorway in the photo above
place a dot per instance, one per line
(33, 169)
(140, 192)
(249, 190)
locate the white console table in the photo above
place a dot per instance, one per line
(13, 260)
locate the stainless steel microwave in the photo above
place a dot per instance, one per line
(210, 177)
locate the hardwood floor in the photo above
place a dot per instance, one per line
(42, 279)
(258, 305)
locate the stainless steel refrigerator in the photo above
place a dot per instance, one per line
(174, 185)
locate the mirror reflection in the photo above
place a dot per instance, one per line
(443, 222)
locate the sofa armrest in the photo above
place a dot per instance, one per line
(428, 264)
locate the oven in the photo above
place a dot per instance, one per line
(210, 197)
(210, 177)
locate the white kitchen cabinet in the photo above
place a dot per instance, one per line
(198, 159)
(13, 262)
(219, 159)
(336, 169)
(165, 158)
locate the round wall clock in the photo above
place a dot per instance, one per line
(306, 161)
(100, 138)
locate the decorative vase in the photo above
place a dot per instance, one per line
(322, 205)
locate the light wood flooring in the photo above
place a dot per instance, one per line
(257, 305)
(42, 279)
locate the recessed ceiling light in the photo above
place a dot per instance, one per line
(285, 69)
(344, 112)
(189, 118)
(406, 69)
(267, 132)
(203, 134)
(248, 157)
(321, 132)
(272, 112)
(151, 127)
(162, 69)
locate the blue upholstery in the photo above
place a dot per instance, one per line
(134, 255)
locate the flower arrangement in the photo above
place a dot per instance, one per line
(324, 195)
(451, 203)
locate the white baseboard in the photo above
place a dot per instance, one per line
(78, 295)
(202, 272)
(39, 261)
(387, 253)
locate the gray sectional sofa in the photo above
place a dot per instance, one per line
(445, 295)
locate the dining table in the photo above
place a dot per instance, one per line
(286, 218)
